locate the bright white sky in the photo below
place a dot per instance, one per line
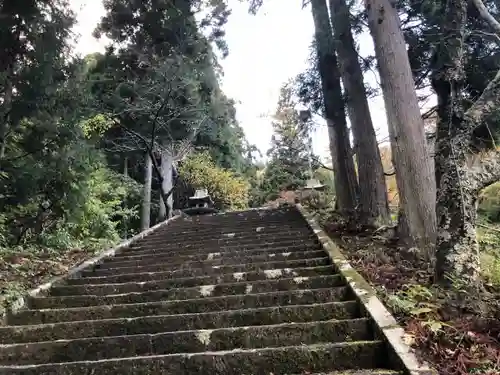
(264, 51)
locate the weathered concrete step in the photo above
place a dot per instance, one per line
(183, 227)
(246, 217)
(250, 243)
(243, 237)
(231, 224)
(358, 372)
(202, 253)
(188, 293)
(184, 322)
(235, 268)
(137, 287)
(295, 297)
(278, 361)
(213, 249)
(93, 349)
(204, 229)
(246, 232)
(212, 261)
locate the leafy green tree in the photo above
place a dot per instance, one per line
(160, 44)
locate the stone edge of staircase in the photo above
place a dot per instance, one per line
(390, 330)
(75, 271)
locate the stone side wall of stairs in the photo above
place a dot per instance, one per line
(255, 292)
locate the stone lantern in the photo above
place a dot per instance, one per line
(200, 204)
(311, 185)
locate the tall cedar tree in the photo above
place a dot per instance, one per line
(345, 176)
(416, 184)
(373, 207)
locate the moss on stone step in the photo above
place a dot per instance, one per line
(196, 253)
(172, 271)
(162, 323)
(278, 361)
(296, 297)
(202, 291)
(231, 270)
(213, 259)
(155, 284)
(91, 349)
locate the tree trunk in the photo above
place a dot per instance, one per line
(460, 173)
(146, 197)
(374, 207)
(416, 184)
(342, 161)
(167, 163)
(125, 205)
(7, 106)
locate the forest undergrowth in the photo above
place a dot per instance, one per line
(25, 268)
(458, 332)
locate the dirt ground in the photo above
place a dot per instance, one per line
(21, 271)
(458, 332)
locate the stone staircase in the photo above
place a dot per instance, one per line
(238, 293)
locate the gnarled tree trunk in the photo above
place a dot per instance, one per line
(167, 163)
(460, 172)
(146, 195)
(374, 207)
(416, 185)
(343, 164)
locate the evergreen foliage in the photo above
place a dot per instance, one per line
(289, 155)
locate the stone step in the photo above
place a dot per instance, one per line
(236, 293)
(234, 302)
(196, 321)
(227, 236)
(188, 293)
(212, 261)
(358, 372)
(234, 250)
(243, 244)
(215, 249)
(267, 216)
(278, 361)
(136, 286)
(250, 337)
(235, 268)
(183, 226)
(210, 234)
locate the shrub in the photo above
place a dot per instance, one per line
(227, 190)
(489, 202)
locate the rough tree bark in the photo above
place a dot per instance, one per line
(5, 112)
(167, 162)
(461, 172)
(124, 203)
(146, 195)
(373, 207)
(416, 184)
(340, 149)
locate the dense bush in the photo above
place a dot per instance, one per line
(489, 202)
(64, 200)
(227, 190)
